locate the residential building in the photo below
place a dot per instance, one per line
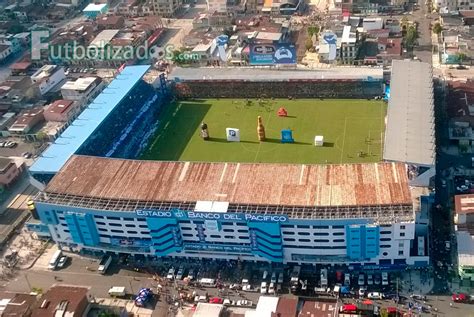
(369, 24)
(166, 8)
(18, 92)
(27, 120)
(48, 77)
(464, 225)
(349, 45)
(62, 300)
(16, 304)
(82, 90)
(6, 119)
(93, 10)
(61, 111)
(5, 52)
(216, 6)
(9, 172)
(110, 22)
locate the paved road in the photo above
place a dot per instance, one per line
(424, 49)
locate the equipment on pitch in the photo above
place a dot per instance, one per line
(287, 136)
(260, 129)
(282, 112)
(233, 135)
(318, 140)
(204, 131)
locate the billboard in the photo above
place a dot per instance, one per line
(272, 54)
(218, 216)
(130, 242)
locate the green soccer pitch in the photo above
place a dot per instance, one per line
(352, 128)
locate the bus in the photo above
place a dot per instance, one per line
(207, 282)
(104, 264)
(53, 263)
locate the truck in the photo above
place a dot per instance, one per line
(104, 264)
(295, 278)
(117, 291)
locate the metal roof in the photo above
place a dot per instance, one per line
(379, 189)
(409, 136)
(51, 161)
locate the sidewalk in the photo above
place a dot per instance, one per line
(416, 282)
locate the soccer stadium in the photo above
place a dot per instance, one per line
(138, 173)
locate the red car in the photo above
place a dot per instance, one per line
(459, 297)
(216, 300)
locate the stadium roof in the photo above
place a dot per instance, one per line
(125, 181)
(51, 161)
(265, 74)
(409, 134)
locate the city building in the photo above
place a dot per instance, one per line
(349, 45)
(5, 52)
(359, 214)
(93, 10)
(216, 6)
(26, 121)
(61, 300)
(82, 90)
(464, 225)
(17, 93)
(48, 77)
(61, 111)
(16, 304)
(166, 8)
(9, 171)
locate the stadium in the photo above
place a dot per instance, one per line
(133, 174)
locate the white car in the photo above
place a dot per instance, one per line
(179, 275)
(384, 278)
(347, 279)
(374, 295)
(170, 275)
(244, 302)
(271, 288)
(280, 278)
(362, 291)
(273, 279)
(361, 280)
(370, 279)
(228, 302)
(191, 274)
(62, 262)
(263, 288)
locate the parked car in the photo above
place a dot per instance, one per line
(265, 275)
(417, 297)
(280, 278)
(263, 288)
(273, 279)
(459, 297)
(235, 286)
(370, 279)
(271, 288)
(361, 280)
(10, 144)
(347, 279)
(62, 262)
(191, 274)
(228, 302)
(362, 291)
(170, 274)
(244, 302)
(179, 275)
(377, 279)
(374, 295)
(26, 155)
(384, 278)
(216, 300)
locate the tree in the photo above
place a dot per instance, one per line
(437, 28)
(460, 57)
(383, 312)
(411, 36)
(312, 30)
(42, 137)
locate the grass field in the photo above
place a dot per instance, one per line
(352, 129)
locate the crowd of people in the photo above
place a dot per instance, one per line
(279, 89)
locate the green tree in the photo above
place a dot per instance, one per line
(383, 312)
(42, 137)
(437, 28)
(460, 56)
(312, 30)
(411, 36)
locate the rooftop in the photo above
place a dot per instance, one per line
(464, 204)
(465, 243)
(80, 84)
(5, 162)
(94, 7)
(287, 307)
(409, 136)
(103, 38)
(44, 72)
(320, 308)
(208, 310)
(54, 157)
(19, 305)
(66, 299)
(267, 187)
(28, 116)
(59, 106)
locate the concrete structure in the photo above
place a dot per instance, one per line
(9, 171)
(47, 77)
(26, 120)
(208, 310)
(353, 214)
(16, 304)
(83, 90)
(61, 111)
(349, 45)
(93, 10)
(63, 301)
(216, 6)
(166, 8)
(464, 225)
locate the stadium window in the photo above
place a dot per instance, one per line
(145, 232)
(321, 227)
(132, 232)
(385, 232)
(115, 224)
(400, 252)
(385, 246)
(385, 253)
(385, 239)
(243, 238)
(188, 235)
(288, 233)
(229, 237)
(128, 219)
(304, 240)
(141, 219)
(185, 221)
(65, 230)
(113, 218)
(287, 226)
(116, 231)
(215, 236)
(228, 230)
(186, 228)
(339, 240)
(402, 234)
(98, 217)
(227, 224)
(338, 227)
(142, 226)
(321, 233)
(322, 240)
(303, 226)
(100, 223)
(402, 227)
(289, 239)
(130, 225)
(303, 233)
(104, 236)
(242, 231)
(61, 218)
(338, 233)
(101, 229)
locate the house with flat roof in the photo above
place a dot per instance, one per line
(47, 77)
(82, 90)
(16, 304)
(59, 300)
(61, 111)
(26, 121)
(95, 9)
(9, 171)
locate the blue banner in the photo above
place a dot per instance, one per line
(272, 54)
(218, 216)
(130, 242)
